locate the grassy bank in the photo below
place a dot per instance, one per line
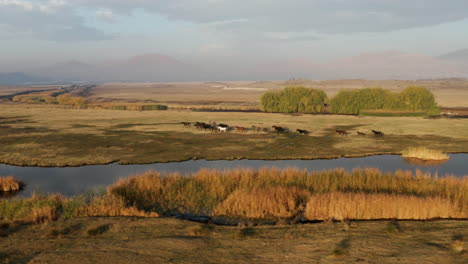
(43, 135)
(262, 195)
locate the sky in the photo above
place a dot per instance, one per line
(42, 32)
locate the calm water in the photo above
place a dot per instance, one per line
(74, 180)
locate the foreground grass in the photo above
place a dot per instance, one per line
(43, 135)
(263, 196)
(166, 240)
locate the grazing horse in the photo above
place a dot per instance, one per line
(187, 124)
(378, 133)
(302, 131)
(342, 132)
(241, 129)
(361, 134)
(279, 129)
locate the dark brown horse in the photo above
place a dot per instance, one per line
(341, 132)
(241, 129)
(302, 131)
(279, 129)
(377, 133)
(187, 124)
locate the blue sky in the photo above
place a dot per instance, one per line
(47, 31)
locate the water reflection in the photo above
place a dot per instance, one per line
(74, 180)
(427, 163)
(8, 195)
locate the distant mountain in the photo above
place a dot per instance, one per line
(20, 78)
(68, 71)
(459, 55)
(155, 67)
(149, 67)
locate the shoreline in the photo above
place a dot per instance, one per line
(119, 162)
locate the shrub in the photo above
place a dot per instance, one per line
(412, 99)
(154, 107)
(352, 102)
(294, 99)
(67, 99)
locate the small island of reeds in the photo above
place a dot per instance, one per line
(425, 154)
(10, 184)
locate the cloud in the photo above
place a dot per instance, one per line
(105, 15)
(47, 19)
(237, 17)
(326, 16)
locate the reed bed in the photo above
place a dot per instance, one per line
(364, 206)
(10, 184)
(110, 205)
(260, 194)
(37, 209)
(270, 202)
(279, 193)
(424, 153)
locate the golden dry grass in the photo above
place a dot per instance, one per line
(270, 202)
(274, 193)
(424, 154)
(111, 205)
(41, 209)
(10, 184)
(364, 206)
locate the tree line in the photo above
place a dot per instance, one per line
(298, 99)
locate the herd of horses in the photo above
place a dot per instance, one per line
(214, 127)
(345, 133)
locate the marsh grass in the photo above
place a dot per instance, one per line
(110, 205)
(37, 209)
(10, 184)
(424, 153)
(287, 193)
(270, 202)
(365, 206)
(261, 196)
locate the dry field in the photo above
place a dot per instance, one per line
(50, 135)
(165, 240)
(8, 90)
(449, 93)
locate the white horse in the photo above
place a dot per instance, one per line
(222, 129)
